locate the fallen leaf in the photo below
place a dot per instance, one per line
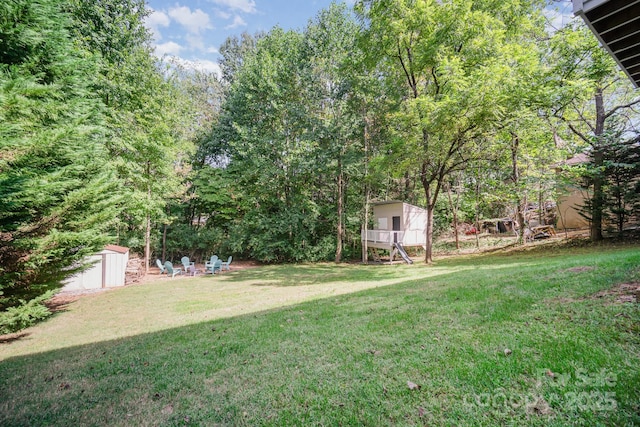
(421, 412)
(413, 386)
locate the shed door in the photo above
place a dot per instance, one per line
(396, 227)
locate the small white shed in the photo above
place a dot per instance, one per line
(397, 222)
(107, 271)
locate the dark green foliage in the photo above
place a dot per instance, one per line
(196, 243)
(25, 314)
(111, 28)
(56, 185)
(622, 174)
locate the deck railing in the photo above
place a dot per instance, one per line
(383, 236)
(410, 237)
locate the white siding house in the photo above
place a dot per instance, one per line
(107, 270)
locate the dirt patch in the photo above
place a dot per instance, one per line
(4, 339)
(626, 292)
(61, 300)
(619, 294)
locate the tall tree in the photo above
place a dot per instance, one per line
(593, 99)
(331, 40)
(58, 191)
(145, 112)
(622, 173)
(449, 57)
(267, 127)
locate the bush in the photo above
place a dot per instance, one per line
(24, 315)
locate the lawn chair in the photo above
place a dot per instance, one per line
(186, 263)
(213, 264)
(174, 271)
(225, 265)
(160, 266)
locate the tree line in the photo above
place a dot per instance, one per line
(460, 107)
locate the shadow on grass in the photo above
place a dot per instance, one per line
(340, 360)
(9, 338)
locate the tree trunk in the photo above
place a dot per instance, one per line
(477, 209)
(597, 204)
(598, 163)
(430, 198)
(147, 233)
(365, 244)
(515, 177)
(428, 254)
(147, 243)
(339, 230)
(454, 210)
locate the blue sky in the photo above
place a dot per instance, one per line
(193, 30)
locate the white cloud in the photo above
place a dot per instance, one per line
(155, 20)
(195, 41)
(222, 14)
(169, 48)
(246, 6)
(237, 22)
(557, 17)
(199, 65)
(194, 22)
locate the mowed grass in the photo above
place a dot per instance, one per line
(525, 339)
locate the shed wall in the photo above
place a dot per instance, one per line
(108, 270)
(569, 211)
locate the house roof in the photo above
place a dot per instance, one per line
(578, 159)
(616, 24)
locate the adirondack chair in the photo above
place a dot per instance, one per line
(173, 271)
(225, 264)
(186, 263)
(213, 264)
(160, 266)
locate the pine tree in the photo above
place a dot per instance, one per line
(56, 183)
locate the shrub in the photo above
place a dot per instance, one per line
(25, 314)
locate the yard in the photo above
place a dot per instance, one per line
(548, 336)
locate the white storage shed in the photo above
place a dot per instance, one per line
(107, 271)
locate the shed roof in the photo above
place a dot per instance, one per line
(616, 24)
(116, 248)
(386, 202)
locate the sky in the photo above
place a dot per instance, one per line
(193, 30)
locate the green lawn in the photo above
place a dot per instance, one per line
(505, 339)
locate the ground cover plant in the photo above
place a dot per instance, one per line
(548, 336)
